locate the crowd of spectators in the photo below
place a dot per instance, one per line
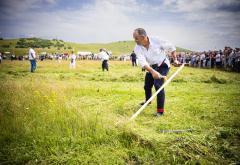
(227, 59)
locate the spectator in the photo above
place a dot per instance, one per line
(193, 60)
(0, 58)
(197, 60)
(202, 59)
(32, 59)
(134, 59)
(227, 59)
(218, 60)
(59, 58)
(105, 57)
(72, 61)
(207, 61)
(212, 58)
(237, 60)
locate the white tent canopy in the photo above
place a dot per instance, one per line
(84, 53)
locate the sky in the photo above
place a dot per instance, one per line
(193, 24)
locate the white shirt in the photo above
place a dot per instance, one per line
(156, 52)
(202, 56)
(103, 55)
(194, 57)
(73, 57)
(31, 54)
(218, 58)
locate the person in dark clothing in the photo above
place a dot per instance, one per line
(105, 57)
(134, 59)
(212, 57)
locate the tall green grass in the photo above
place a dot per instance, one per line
(63, 116)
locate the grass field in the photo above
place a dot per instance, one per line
(63, 116)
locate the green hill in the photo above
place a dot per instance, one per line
(20, 46)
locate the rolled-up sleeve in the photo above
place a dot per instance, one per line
(167, 46)
(141, 58)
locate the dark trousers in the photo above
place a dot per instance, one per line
(134, 62)
(219, 64)
(201, 63)
(150, 81)
(212, 63)
(105, 65)
(206, 62)
(33, 65)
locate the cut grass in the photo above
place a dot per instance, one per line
(63, 116)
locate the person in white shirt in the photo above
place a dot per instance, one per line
(193, 60)
(152, 56)
(197, 60)
(0, 58)
(104, 57)
(218, 60)
(72, 61)
(32, 59)
(202, 58)
(59, 58)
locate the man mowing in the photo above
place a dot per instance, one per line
(151, 54)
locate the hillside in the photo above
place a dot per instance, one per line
(20, 46)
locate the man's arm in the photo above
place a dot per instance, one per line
(169, 47)
(157, 75)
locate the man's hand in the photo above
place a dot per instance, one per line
(154, 73)
(176, 63)
(157, 75)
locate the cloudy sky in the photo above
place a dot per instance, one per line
(192, 24)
